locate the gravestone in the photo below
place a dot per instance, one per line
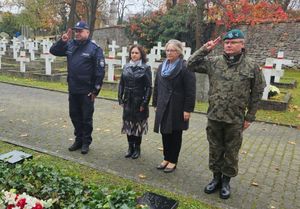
(111, 62)
(16, 45)
(31, 50)
(22, 59)
(1, 54)
(123, 55)
(49, 58)
(3, 43)
(156, 201)
(15, 156)
(152, 57)
(158, 49)
(46, 44)
(268, 71)
(279, 62)
(113, 47)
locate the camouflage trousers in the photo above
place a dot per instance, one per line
(225, 141)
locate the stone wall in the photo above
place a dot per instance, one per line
(265, 40)
(105, 36)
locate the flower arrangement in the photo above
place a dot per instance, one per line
(11, 200)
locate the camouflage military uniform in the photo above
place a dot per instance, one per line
(234, 92)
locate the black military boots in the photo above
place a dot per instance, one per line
(214, 184)
(130, 149)
(225, 189)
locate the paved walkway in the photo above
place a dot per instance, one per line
(269, 156)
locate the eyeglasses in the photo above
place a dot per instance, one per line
(232, 42)
(171, 50)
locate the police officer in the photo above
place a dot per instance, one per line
(85, 75)
(236, 84)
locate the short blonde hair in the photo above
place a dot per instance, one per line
(177, 44)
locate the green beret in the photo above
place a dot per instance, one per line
(234, 34)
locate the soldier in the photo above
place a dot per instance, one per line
(236, 85)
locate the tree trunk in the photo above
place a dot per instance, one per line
(72, 14)
(199, 22)
(92, 15)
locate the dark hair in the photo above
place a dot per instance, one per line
(141, 50)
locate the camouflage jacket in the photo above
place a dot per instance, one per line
(234, 90)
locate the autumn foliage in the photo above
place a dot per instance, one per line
(243, 12)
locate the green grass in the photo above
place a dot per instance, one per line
(288, 117)
(90, 175)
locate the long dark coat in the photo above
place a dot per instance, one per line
(172, 96)
(135, 89)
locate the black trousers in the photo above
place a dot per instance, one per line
(137, 140)
(172, 145)
(81, 109)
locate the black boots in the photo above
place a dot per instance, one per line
(75, 146)
(214, 184)
(219, 181)
(130, 149)
(225, 190)
(85, 149)
(137, 151)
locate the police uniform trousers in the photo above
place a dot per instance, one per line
(225, 141)
(81, 110)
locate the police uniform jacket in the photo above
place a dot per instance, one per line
(85, 65)
(172, 96)
(234, 88)
(135, 89)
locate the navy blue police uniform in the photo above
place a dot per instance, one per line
(86, 71)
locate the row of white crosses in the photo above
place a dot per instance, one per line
(154, 57)
(3, 43)
(277, 72)
(32, 46)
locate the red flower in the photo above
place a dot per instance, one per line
(21, 203)
(38, 206)
(10, 206)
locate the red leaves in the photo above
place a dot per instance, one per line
(241, 11)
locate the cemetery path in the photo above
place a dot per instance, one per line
(269, 175)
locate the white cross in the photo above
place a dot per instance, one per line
(187, 51)
(158, 49)
(152, 62)
(22, 59)
(278, 65)
(111, 68)
(123, 54)
(46, 46)
(31, 49)
(3, 43)
(113, 46)
(48, 59)
(16, 47)
(36, 45)
(268, 71)
(1, 54)
(135, 43)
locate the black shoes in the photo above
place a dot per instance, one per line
(85, 149)
(214, 184)
(225, 190)
(75, 146)
(130, 150)
(136, 152)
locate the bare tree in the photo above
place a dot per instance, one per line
(122, 6)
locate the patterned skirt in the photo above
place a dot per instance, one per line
(135, 128)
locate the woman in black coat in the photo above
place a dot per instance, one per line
(174, 100)
(134, 94)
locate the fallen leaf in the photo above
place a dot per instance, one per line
(107, 130)
(273, 207)
(71, 139)
(24, 135)
(98, 129)
(64, 126)
(277, 169)
(146, 139)
(160, 149)
(254, 184)
(293, 143)
(55, 124)
(243, 152)
(142, 176)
